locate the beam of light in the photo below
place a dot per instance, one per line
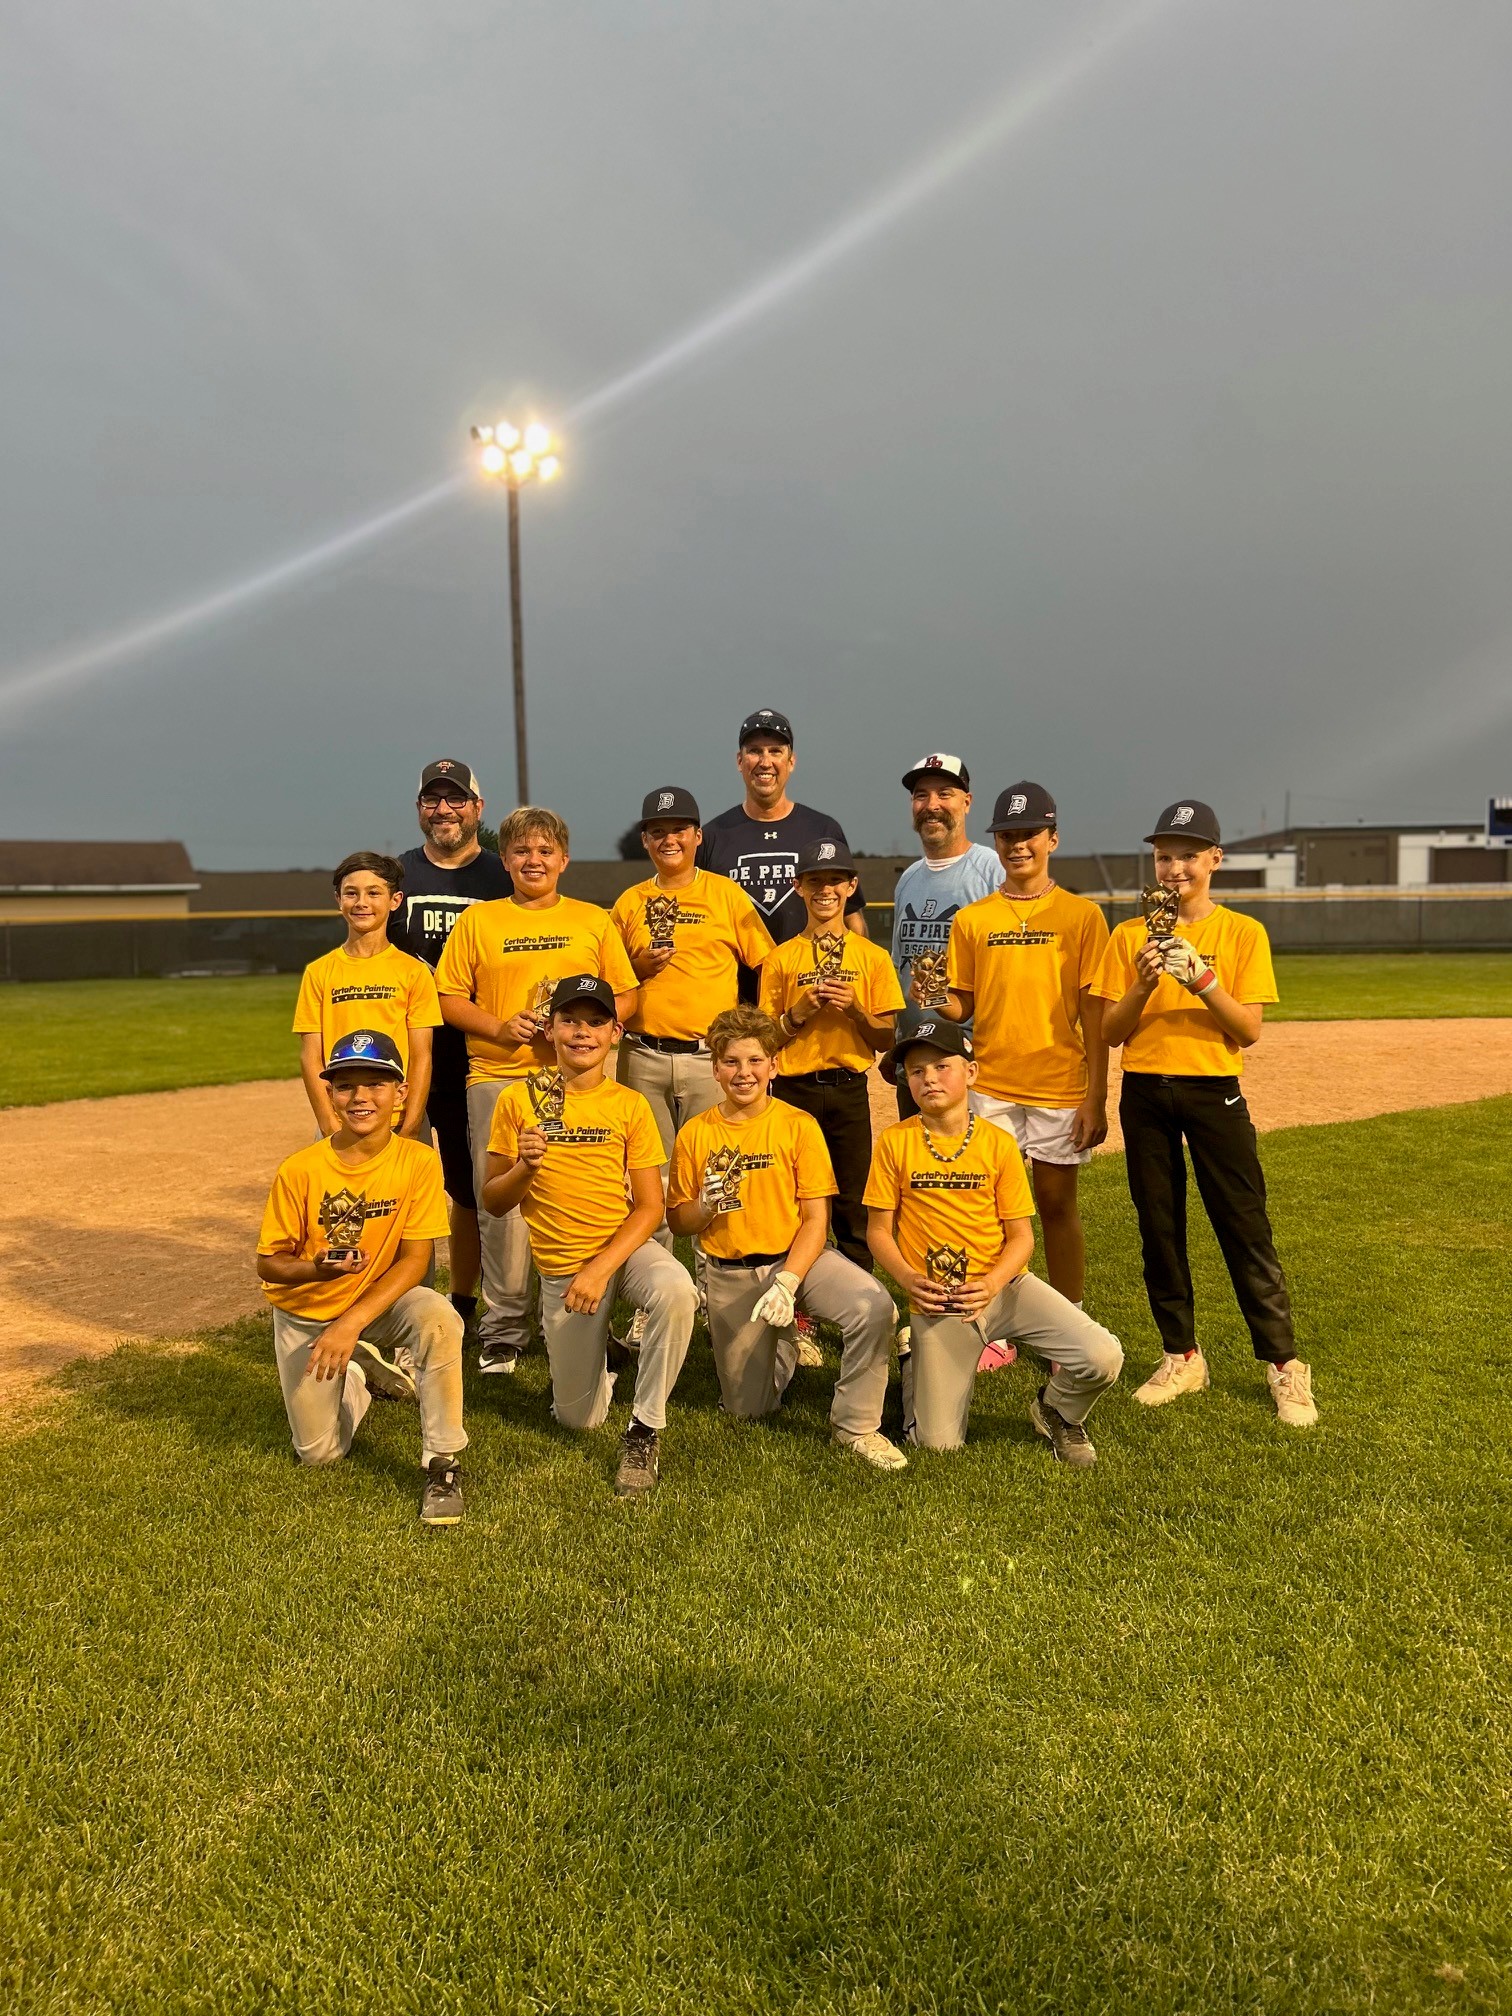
(1022, 104)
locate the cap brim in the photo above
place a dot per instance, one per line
(379, 1064)
(1182, 833)
(889, 1061)
(915, 777)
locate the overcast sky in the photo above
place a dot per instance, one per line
(1165, 449)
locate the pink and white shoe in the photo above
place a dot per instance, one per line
(997, 1356)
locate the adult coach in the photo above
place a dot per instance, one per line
(443, 876)
(757, 842)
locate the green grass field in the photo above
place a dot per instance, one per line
(1222, 1727)
(87, 1039)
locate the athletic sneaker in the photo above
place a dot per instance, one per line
(639, 1467)
(1291, 1389)
(498, 1357)
(873, 1448)
(441, 1500)
(635, 1336)
(904, 1339)
(1172, 1377)
(997, 1356)
(390, 1378)
(1069, 1440)
(808, 1340)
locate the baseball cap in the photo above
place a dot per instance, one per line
(825, 857)
(1023, 807)
(925, 1025)
(943, 769)
(583, 987)
(1187, 819)
(368, 1049)
(671, 802)
(767, 721)
(447, 770)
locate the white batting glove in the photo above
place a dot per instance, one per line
(1183, 962)
(775, 1308)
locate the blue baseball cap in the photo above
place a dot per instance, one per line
(365, 1050)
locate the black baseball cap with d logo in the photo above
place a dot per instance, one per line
(927, 1026)
(583, 987)
(1023, 808)
(1187, 819)
(670, 802)
(365, 1050)
(824, 857)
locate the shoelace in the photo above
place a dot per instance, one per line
(638, 1450)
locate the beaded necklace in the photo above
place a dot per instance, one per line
(1033, 901)
(956, 1153)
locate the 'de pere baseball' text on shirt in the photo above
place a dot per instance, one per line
(961, 1203)
(762, 854)
(929, 895)
(783, 1159)
(577, 1200)
(830, 1040)
(1177, 1036)
(317, 1202)
(1024, 960)
(390, 992)
(715, 930)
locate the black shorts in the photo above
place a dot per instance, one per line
(446, 1110)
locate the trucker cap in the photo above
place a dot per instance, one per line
(671, 802)
(824, 857)
(942, 768)
(925, 1025)
(767, 721)
(447, 770)
(1187, 819)
(583, 987)
(1022, 808)
(367, 1049)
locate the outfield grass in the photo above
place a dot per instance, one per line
(1223, 1726)
(86, 1039)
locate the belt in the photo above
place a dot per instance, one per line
(670, 1046)
(840, 1075)
(747, 1260)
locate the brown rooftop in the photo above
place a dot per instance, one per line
(95, 864)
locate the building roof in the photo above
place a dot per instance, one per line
(1288, 836)
(122, 866)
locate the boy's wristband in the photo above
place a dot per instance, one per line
(1209, 979)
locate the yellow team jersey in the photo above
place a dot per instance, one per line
(508, 960)
(578, 1198)
(948, 1207)
(783, 1159)
(1177, 1037)
(392, 992)
(317, 1201)
(714, 927)
(1025, 962)
(831, 1041)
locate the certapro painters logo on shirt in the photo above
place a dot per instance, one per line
(376, 992)
(1023, 937)
(947, 1179)
(554, 944)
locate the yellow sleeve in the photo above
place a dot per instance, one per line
(960, 959)
(307, 1009)
(812, 1165)
(425, 1211)
(283, 1219)
(753, 941)
(883, 1192)
(1094, 946)
(622, 916)
(643, 1148)
(1014, 1197)
(457, 971)
(1116, 971)
(424, 1010)
(614, 963)
(682, 1185)
(1254, 973)
(504, 1135)
(884, 995)
(773, 989)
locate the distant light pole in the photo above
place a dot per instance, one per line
(515, 455)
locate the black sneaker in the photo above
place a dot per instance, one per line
(498, 1357)
(388, 1378)
(639, 1468)
(1069, 1440)
(441, 1500)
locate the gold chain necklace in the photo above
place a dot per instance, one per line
(1033, 901)
(960, 1151)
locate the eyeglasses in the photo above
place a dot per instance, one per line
(431, 802)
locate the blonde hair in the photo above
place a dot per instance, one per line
(738, 1025)
(528, 819)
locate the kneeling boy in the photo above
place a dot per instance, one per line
(751, 1181)
(564, 1146)
(950, 1221)
(347, 1242)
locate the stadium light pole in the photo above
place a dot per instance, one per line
(514, 456)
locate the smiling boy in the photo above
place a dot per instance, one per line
(346, 1244)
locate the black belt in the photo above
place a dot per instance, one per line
(748, 1260)
(838, 1076)
(670, 1046)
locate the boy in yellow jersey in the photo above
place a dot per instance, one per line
(950, 1221)
(495, 979)
(347, 1241)
(835, 997)
(751, 1181)
(367, 983)
(1021, 966)
(688, 933)
(567, 1147)
(1185, 1007)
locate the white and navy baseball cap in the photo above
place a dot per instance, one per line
(766, 721)
(447, 770)
(1023, 808)
(938, 769)
(927, 1026)
(583, 988)
(365, 1050)
(824, 857)
(670, 802)
(1187, 819)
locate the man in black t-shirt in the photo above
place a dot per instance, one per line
(757, 843)
(441, 878)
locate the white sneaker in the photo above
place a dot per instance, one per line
(808, 1340)
(1291, 1389)
(873, 1448)
(1172, 1377)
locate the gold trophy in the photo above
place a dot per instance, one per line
(540, 1002)
(548, 1100)
(720, 1188)
(947, 1266)
(1162, 907)
(829, 954)
(928, 974)
(342, 1217)
(661, 921)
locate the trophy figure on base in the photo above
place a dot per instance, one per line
(720, 1188)
(928, 976)
(548, 1100)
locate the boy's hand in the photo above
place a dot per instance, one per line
(972, 1297)
(533, 1146)
(1184, 963)
(1089, 1124)
(655, 959)
(327, 1269)
(836, 993)
(587, 1288)
(332, 1349)
(933, 1297)
(520, 1029)
(1149, 964)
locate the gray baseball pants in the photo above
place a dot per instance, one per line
(675, 1088)
(504, 1241)
(939, 1373)
(324, 1414)
(755, 1362)
(581, 1382)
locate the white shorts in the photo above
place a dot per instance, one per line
(1043, 1133)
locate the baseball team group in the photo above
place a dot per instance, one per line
(694, 1062)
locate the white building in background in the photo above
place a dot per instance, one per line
(1356, 857)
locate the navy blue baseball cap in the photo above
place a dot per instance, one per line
(583, 987)
(366, 1050)
(766, 721)
(928, 1026)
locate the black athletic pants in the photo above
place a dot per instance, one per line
(838, 1100)
(1156, 1113)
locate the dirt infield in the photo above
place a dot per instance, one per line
(132, 1219)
